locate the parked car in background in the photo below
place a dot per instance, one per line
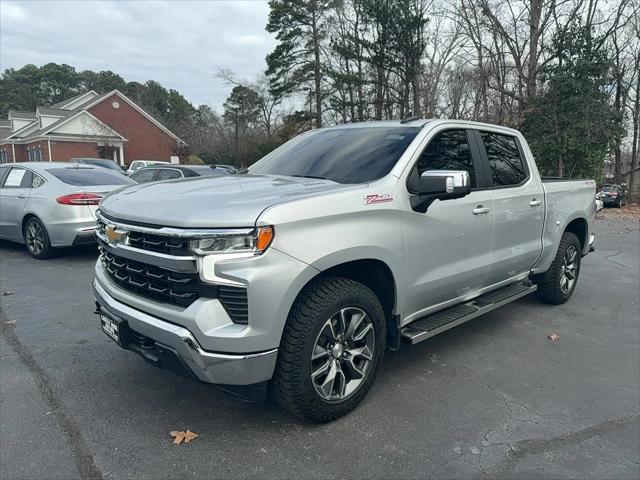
(231, 168)
(52, 204)
(599, 203)
(138, 164)
(613, 196)
(99, 162)
(172, 172)
(335, 246)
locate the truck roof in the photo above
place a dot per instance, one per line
(419, 122)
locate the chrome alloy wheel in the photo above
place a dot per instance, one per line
(342, 354)
(569, 270)
(35, 238)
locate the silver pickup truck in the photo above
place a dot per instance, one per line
(295, 276)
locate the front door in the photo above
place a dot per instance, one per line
(14, 194)
(448, 248)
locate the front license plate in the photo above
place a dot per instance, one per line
(110, 327)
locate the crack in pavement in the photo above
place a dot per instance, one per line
(575, 437)
(517, 451)
(85, 464)
(609, 257)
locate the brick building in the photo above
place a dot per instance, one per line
(88, 125)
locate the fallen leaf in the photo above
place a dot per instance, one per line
(554, 337)
(186, 437)
(11, 322)
(8, 292)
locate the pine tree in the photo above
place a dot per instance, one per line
(300, 27)
(572, 126)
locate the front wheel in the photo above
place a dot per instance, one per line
(558, 283)
(330, 351)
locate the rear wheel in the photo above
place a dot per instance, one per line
(37, 239)
(557, 284)
(332, 345)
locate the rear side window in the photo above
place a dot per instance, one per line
(144, 176)
(504, 158)
(89, 177)
(18, 178)
(448, 150)
(166, 174)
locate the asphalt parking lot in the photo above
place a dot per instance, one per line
(493, 398)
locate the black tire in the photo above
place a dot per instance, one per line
(550, 284)
(36, 239)
(316, 306)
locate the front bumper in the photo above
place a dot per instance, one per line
(173, 347)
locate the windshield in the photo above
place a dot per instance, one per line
(345, 155)
(608, 188)
(85, 177)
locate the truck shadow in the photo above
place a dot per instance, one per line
(209, 408)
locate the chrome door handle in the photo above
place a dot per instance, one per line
(21, 196)
(479, 210)
(535, 203)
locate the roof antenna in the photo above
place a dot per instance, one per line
(409, 117)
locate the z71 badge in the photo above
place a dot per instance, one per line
(378, 198)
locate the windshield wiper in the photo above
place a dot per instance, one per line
(309, 176)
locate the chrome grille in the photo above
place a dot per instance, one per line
(172, 287)
(154, 243)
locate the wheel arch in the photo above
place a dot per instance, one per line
(25, 219)
(580, 228)
(375, 274)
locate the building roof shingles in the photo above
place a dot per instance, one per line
(66, 101)
(22, 114)
(56, 112)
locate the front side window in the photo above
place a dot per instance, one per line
(505, 163)
(343, 155)
(448, 150)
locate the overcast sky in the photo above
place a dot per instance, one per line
(178, 43)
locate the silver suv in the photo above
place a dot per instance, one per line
(336, 246)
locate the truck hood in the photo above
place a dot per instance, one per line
(210, 202)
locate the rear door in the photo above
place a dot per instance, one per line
(518, 205)
(14, 194)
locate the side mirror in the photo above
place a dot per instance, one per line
(443, 184)
(437, 185)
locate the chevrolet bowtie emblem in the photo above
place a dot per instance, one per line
(114, 235)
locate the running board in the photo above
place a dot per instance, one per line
(427, 327)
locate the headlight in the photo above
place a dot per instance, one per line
(254, 243)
